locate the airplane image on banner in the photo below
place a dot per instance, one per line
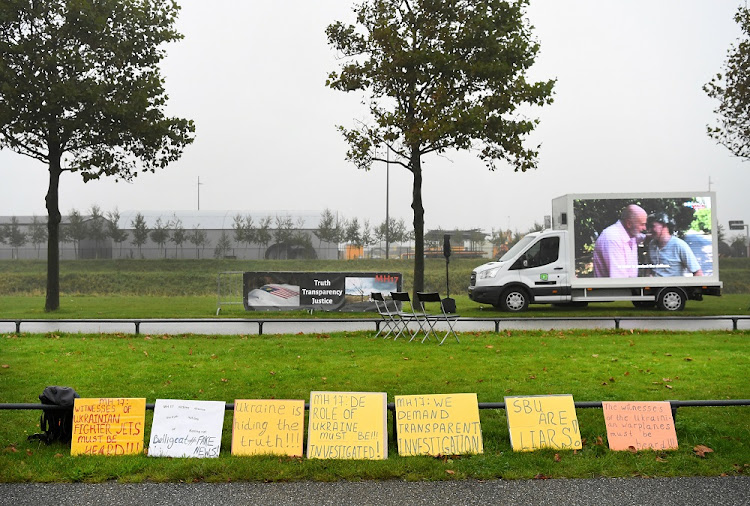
(274, 295)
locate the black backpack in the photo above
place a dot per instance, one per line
(56, 424)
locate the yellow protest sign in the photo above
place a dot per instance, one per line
(347, 425)
(268, 427)
(543, 421)
(108, 426)
(640, 425)
(440, 424)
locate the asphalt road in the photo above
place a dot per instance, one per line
(599, 492)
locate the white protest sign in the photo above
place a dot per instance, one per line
(184, 428)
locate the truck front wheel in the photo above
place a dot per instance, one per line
(671, 299)
(514, 300)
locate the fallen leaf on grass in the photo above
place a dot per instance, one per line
(661, 459)
(688, 359)
(557, 457)
(11, 449)
(701, 451)
(541, 476)
(450, 471)
(489, 346)
(145, 353)
(632, 449)
(5, 366)
(29, 452)
(58, 455)
(224, 380)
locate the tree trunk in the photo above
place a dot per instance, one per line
(417, 207)
(52, 302)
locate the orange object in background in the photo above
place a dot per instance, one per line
(354, 252)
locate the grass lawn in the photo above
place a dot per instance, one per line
(590, 365)
(188, 288)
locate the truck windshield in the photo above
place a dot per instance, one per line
(517, 248)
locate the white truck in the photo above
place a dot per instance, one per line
(654, 249)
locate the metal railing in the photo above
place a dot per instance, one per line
(391, 406)
(376, 322)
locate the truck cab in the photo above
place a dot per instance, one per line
(535, 269)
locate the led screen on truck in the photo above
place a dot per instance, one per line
(643, 237)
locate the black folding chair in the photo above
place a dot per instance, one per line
(404, 317)
(431, 319)
(390, 320)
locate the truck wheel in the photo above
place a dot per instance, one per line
(671, 299)
(514, 300)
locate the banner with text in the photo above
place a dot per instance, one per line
(348, 425)
(323, 291)
(108, 426)
(439, 424)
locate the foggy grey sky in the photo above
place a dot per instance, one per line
(629, 115)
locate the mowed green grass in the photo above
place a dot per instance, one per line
(590, 365)
(188, 289)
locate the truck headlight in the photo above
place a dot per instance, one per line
(489, 273)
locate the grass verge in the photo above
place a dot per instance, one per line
(196, 306)
(590, 365)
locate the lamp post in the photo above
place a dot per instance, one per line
(387, 197)
(199, 193)
(741, 225)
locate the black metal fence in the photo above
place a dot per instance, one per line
(497, 322)
(674, 405)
